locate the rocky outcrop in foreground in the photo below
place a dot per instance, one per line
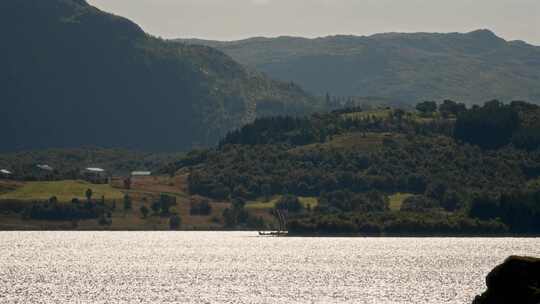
(516, 281)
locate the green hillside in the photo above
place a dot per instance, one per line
(472, 67)
(451, 171)
(72, 75)
(468, 171)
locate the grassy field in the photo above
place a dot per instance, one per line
(396, 200)
(358, 141)
(65, 191)
(261, 204)
(385, 113)
(156, 184)
(7, 186)
(144, 191)
(380, 113)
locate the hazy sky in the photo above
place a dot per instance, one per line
(236, 19)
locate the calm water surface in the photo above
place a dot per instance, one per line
(232, 267)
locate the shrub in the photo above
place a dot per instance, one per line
(489, 127)
(290, 203)
(175, 222)
(202, 207)
(144, 211)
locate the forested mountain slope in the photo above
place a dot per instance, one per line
(471, 67)
(72, 75)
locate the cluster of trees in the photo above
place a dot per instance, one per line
(76, 210)
(268, 130)
(238, 216)
(92, 208)
(489, 127)
(435, 164)
(448, 108)
(393, 223)
(321, 128)
(444, 164)
(200, 207)
(290, 203)
(98, 209)
(495, 125)
(347, 201)
(520, 210)
(164, 205)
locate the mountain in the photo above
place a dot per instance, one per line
(72, 75)
(476, 66)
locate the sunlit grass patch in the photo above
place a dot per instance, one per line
(261, 203)
(380, 114)
(65, 191)
(397, 199)
(312, 202)
(357, 141)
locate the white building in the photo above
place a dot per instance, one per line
(95, 175)
(5, 172)
(95, 170)
(43, 172)
(45, 168)
(141, 173)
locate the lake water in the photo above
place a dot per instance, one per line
(239, 267)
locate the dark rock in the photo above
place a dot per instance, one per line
(516, 281)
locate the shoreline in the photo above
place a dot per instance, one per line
(19, 228)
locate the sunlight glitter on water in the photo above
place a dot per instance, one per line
(240, 267)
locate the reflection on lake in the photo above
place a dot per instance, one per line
(240, 267)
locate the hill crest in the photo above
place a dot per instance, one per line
(470, 67)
